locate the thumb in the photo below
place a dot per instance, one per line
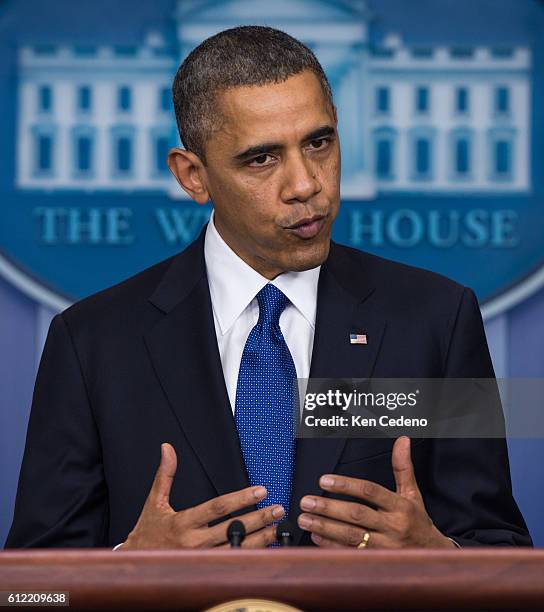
(403, 470)
(160, 491)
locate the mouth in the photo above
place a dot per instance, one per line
(308, 227)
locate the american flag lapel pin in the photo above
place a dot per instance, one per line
(357, 339)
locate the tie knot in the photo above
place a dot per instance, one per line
(272, 303)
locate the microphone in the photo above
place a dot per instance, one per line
(236, 533)
(284, 533)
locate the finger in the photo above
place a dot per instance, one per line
(253, 521)
(348, 512)
(325, 542)
(218, 507)
(162, 484)
(377, 540)
(403, 469)
(258, 519)
(344, 533)
(260, 539)
(361, 489)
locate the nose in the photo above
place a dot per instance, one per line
(300, 182)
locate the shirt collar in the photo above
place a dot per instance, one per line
(234, 284)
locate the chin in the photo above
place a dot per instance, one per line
(306, 259)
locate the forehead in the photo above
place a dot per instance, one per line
(281, 111)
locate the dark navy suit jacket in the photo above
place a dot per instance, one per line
(137, 365)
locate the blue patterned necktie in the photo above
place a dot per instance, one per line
(265, 402)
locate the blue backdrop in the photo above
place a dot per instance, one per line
(442, 133)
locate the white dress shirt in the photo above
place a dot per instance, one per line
(233, 289)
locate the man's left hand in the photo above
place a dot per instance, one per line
(395, 520)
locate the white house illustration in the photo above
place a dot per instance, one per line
(425, 119)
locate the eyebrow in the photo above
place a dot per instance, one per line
(269, 147)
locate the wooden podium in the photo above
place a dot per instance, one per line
(308, 579)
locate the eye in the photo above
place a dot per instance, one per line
(319, 143)
(261, 160)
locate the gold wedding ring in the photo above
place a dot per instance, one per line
(364, 541)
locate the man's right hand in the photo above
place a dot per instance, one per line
(160, 526)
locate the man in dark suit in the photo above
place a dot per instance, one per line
(168, 359)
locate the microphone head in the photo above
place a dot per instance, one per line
(236, 531)
(284, 531)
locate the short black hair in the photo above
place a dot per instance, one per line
(241, 56)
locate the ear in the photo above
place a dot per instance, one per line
(188, 170)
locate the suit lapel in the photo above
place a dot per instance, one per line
(184, 353)
(344, 306)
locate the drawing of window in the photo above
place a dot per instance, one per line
(461, 52)
(162, 139)
(85, 50)
(124, 154)
(501, 154)
(423, 151)
(45, 50)
(83, 144)
(384, 153)
(382, 102)
(502, 157)
(422, 100)
(123, 151)
(384, 156)
(502, 100)
(461, 154)
(45, 99)
(162, 146)
(421, 148)
(502, 52)
(44, 151)
(422, 52)
(165, 99)
(84, 99)
(382, 52)
(462, 100)
(124, 98)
